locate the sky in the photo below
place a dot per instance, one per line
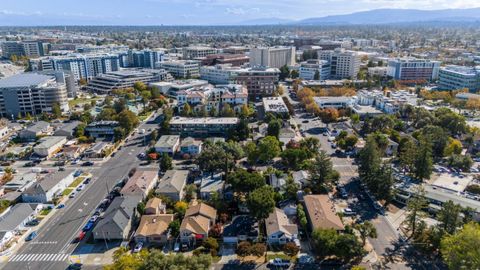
(194, 12)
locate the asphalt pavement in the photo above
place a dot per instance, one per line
(55, 240)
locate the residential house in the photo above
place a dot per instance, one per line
(15, 219)
(67, 129)
(155, 206)
(116, 223)
(321, 213)
(391, 149)
(242, 228)
(172, 184)
(190, 146)
(101, 129)
(37, 129)
(210, 184)
(198, 220)
(49, 187)
(49, 146)
(141, 182)
(301, 177)
(277, 182)
(168, 144)
(279, 228)
(153, 229)
(97, 150)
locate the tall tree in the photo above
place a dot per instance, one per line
(273, 128)
(423, 160)
(407, 151)
(415, 210)
(56, 110)
(366, 229)
(261, 202)
(322, 173)
(450, 217)
(268, 148)
(460, 250)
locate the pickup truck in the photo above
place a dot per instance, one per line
(279, 262)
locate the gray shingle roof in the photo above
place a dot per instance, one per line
(16, 215)
(118, 213)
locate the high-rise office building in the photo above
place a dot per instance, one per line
(274, 57)
(343, 64)
(260, 81)
(181, 68)
(79, 65)
(31, 93)
(197, 52)
(412, 69)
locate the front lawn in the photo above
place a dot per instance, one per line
(77, 182)
(67, 191)
(281, 255)
(45, 211)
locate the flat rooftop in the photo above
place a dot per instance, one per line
(452, 182)
(24, 80)
(204, 120)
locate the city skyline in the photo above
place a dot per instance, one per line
(187, 12)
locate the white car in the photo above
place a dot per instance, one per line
(279, 262)
(138, 247)
(80, 188)
(348, 212)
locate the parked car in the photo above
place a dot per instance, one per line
(31, 236)
(87, 181)
(33, 222)
(348, 212)
(88, 226)
(60, 206)
(72, 194)
(75, 266)
(77, 173)
(176, 247)
(81, 235)
(88, 163)
(94, 218)
(279, 262)
(138, 247)
(80, 188)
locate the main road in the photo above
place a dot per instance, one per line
(55, 240)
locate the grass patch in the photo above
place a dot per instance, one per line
(67, 191)
(279, 255)
(78, 101)
(45, 211)
(216, 259)
(76, 182)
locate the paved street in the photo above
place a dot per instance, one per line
(51, 248)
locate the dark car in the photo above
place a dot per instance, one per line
(75, 266)
(88, 163)
(31, 236)
(29, 164)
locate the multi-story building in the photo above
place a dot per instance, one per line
(220, 74)
(209, 98)
(81, 66)
(275, 105)
(197, 52)
(377, 72)
(343, 64)
(459, 77)
(274, 57)
(412, 69)
(333, 102)
(101, 129)
(389, 102)
(105, 83)
(260, 81)
(202, 127)
(22, 48)
(172, 88)
(181, 68)
(311, 67)
(31, 93)
(144, 58)
(220, 59)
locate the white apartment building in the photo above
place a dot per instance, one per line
(182, 68)
(311, 67)
(389, 102)
(197, 52)
(377, 72)
(412, 69)
(220, 74)
(274, 57)
(209, 98)
(274, 105)
(344, 64)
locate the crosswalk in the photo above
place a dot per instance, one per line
(37, 257)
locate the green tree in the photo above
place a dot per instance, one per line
(322, 173)
(454, 147)
(139, 87)
(316, 76)
(127, 120)
(252, 153)
(369, 159)
(244, 181)
(366, 229)
(80, 130)
(165, 162)
(274, 127)
(407, 151)
(227, 111)
(311, 145)
(268, 148)
(423, 160)
(146, 96)
(261, 202)
(460, 250)
(293, 157)
(415, 210)
(284, 72)
(56, 110)
(462, 162)
(450, 217)
(186, 110)
(290, 188)
(174, 227)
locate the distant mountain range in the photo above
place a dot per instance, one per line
(377, 16)
(392, 16)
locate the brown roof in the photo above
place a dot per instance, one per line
(321, 213)
(278, 221)
(153, 204)
(201, 209)
(196, 224)
(154, 225)
(139, 182)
